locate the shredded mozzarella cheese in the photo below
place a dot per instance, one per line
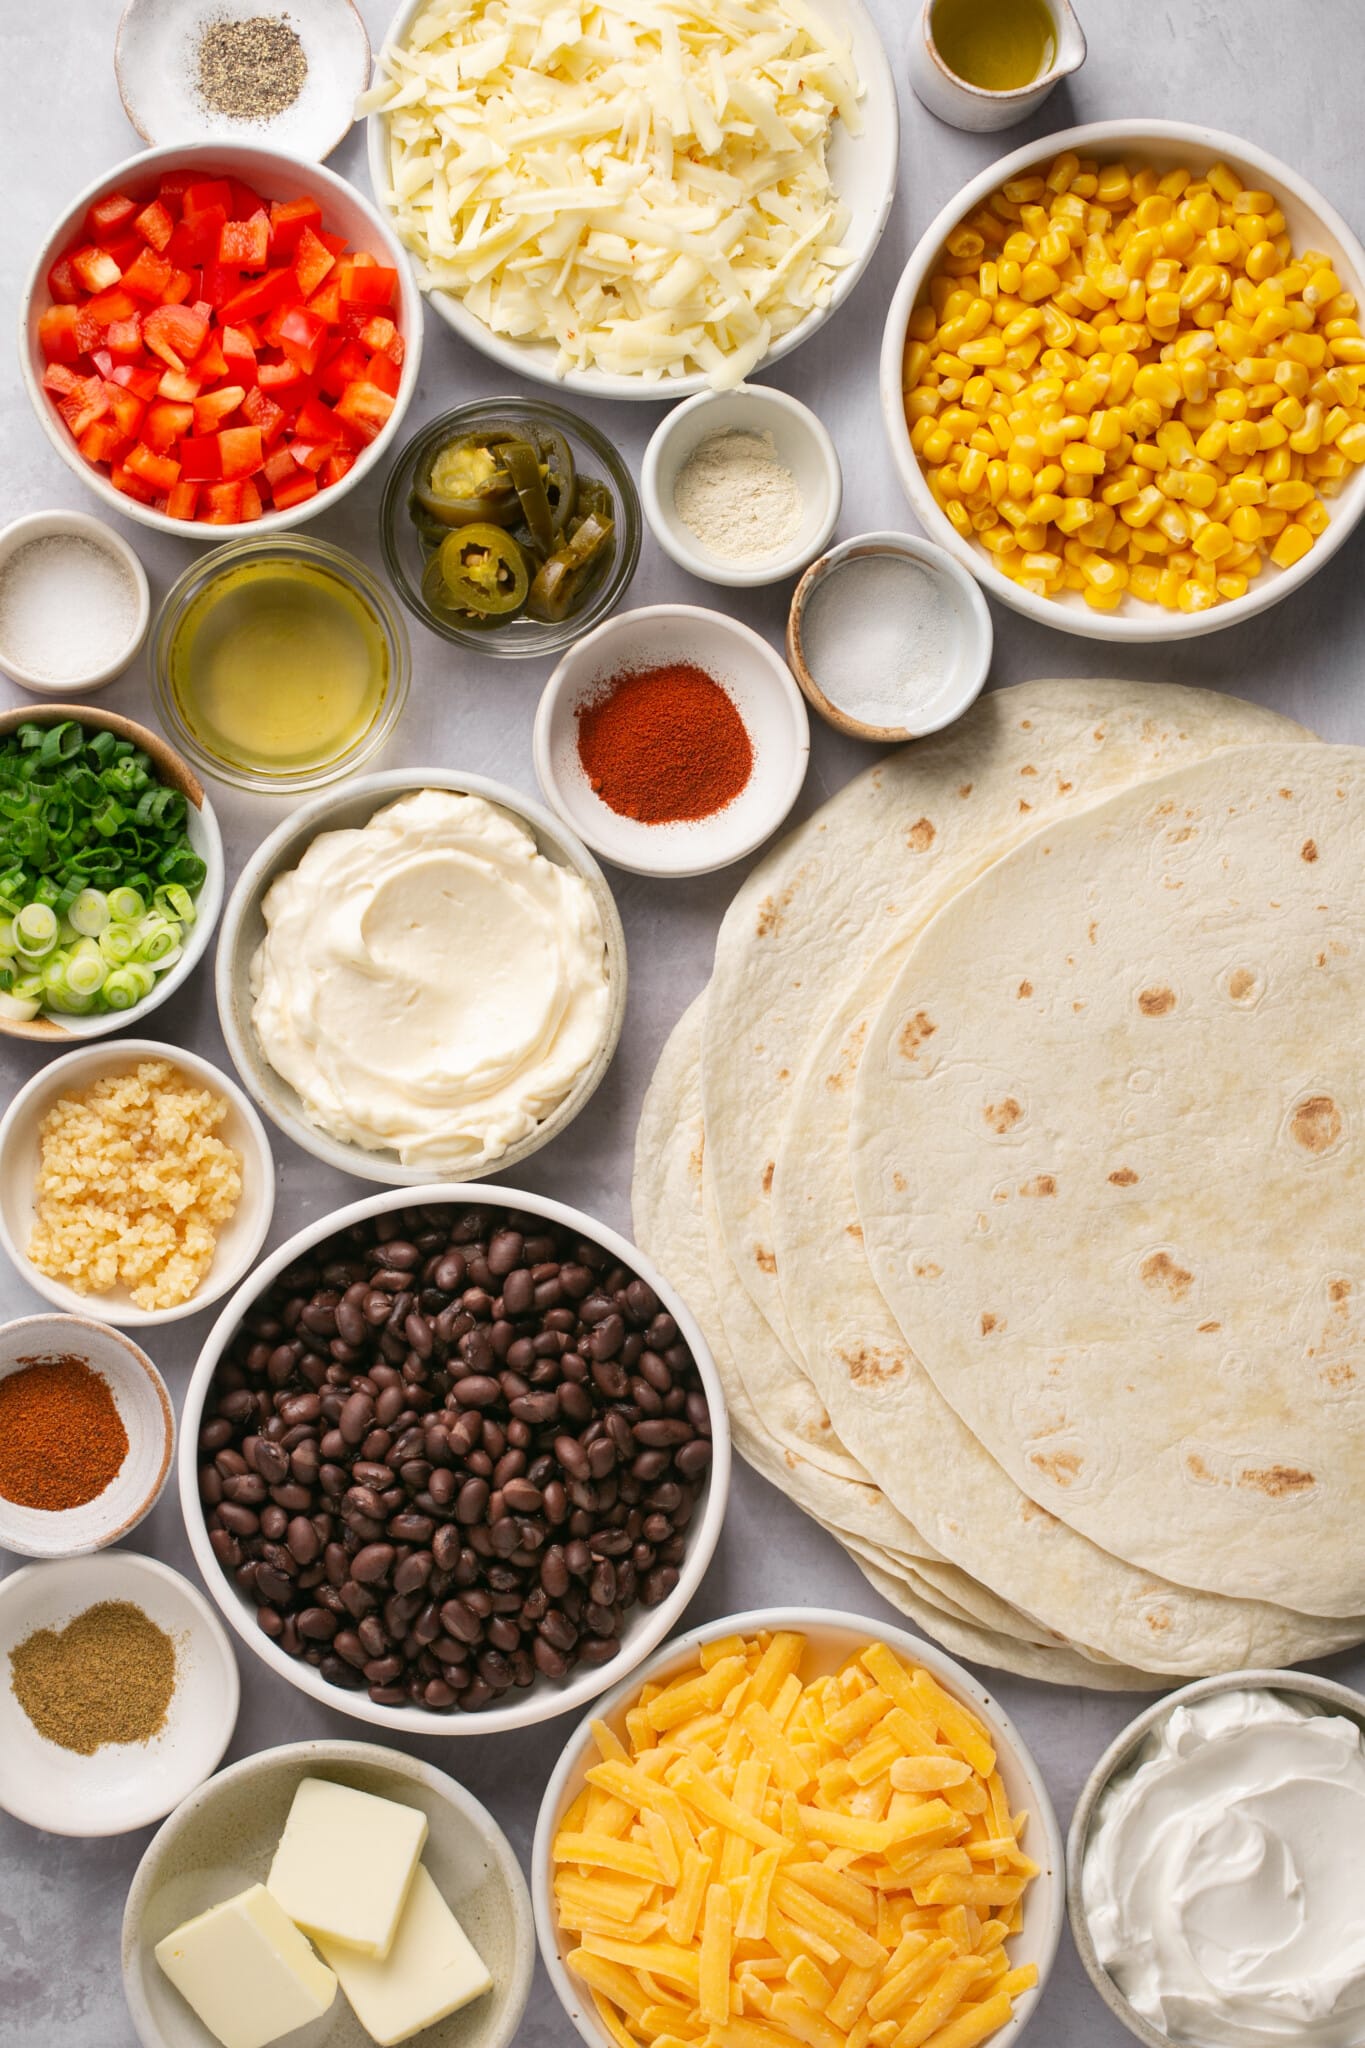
(642, 183)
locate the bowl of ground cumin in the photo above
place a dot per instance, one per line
(86, 1435)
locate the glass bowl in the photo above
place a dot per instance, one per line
(369, 592)
(406, 557)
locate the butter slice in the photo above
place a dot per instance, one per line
(247, 1971)
(345, 1863)
(432, 1969)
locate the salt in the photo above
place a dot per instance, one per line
(881, 638)
(68, 608)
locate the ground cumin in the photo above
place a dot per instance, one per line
(664, 744)
(62, 1439)
(108, 1676)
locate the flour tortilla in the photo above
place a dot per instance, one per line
(1107, 1151)
(891, 1416)
(826, 898)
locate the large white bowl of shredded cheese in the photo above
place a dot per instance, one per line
(632, 211)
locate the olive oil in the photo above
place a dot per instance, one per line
(279, 667)
(998, 45)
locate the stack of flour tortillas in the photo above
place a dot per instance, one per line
(1012, 1163)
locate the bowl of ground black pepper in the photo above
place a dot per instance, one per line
(672, 740)
(118, 1693)
(243, 71)
(86, 1435)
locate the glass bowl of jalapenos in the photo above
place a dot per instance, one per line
(510, 526)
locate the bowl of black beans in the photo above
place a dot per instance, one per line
(454, 1459)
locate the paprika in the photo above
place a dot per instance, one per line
(662, 745)
(62, 1439)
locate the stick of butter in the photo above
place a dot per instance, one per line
(247, 1971)
(432, 1969)
(345, 1862)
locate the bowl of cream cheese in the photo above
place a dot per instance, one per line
(1216, 1866)
(421, 975)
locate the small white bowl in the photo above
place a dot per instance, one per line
(144, 1409)
(244, 928)
(802, 444)
(77, 526)
(833, 1638)
(124, 1785)
(764, 694)
(1313, 223)
(645, 1627)
(222, 1838)
(240, 1238)
(274, 175)
(973, 637)
(1120, 1755)
(156, 63)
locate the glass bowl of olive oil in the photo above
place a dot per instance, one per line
(280, 663)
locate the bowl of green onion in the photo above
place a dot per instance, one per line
(111, 872)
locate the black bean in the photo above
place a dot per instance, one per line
(372, 1562)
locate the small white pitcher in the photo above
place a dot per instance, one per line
(962, 105)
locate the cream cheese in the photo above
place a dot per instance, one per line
(1224, 1875)
(429, 983)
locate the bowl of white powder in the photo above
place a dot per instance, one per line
(74, 603)
(889, 637)
(742, 487)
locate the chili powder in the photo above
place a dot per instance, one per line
(661, 745)
(62, 1439)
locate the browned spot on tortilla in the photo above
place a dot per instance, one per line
(850, 1052)
(1158, 1620)
(1091, 930)
(1338, 1290)
(1321, 960)
(1341, 1375)
(1001, 1195)
(784, 1073)
(1028, 769)
(1061, 1467)
(1077, 1006)
(1023, 806)
(1286, 793)
(869, 1367)
(1025, 990)
(1185, 832)
(1197, 1469)
(1316, 1123)
(914, 1032)
(1278, 1482)
(964, 789)
(1001, 1116)
(1159, 1269)
(1208, 1328)
(1164, 810)
(899, 1183)
(927, 1269)
(920, 836)
(1241, 982)
(1041, 1185)
(1098, 733)
(768, 1172)
(695, 1157)
(1064, 787)
(988, 1323)
(1156, 1002)
(1026, 725)
(1309, 850)
(854, 1230)
(1123, 1177)
(766, 1260)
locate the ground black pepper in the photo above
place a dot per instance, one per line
(250, 70)
(108, 1676)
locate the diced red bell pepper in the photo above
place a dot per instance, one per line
(63, 283)
(103, 361)
(365, 409)
(349, 365)
(85, 403)
(221, 503)
(381, 336)
(239, 357)
(124, 340)
(220, 282)
(166, 423)
(104, 441)
(336, 243)
(336, 467)
(179, 386)
(179, 288)
(175, 333)
(95, 268)
(279, 467)
(173, 186)
(252, 507)
(201, 459)
(312, 261)
(148, 276)
(302, 335)
(201, 232)
(245, 243)
(265, 414)
(109, 216)
(143, 378)
(162, 472)
(125, 405)
(294, 489)
(326, 303)
(183, 501)
(125, 480)
(203, 196)
(116, 304)
(214, 406)
(273, 288)
(210, 364)
(61, 378)
(316, 421)
(367, 284)
(240, 451)
(310, 454)
(385, 373)
(284, 381)
(155, 225)
(288, 219)
(245, 202)
(57, 334)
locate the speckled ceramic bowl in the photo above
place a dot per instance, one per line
(222, 1839)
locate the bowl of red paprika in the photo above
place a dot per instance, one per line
(672, 740)
(86, 1435)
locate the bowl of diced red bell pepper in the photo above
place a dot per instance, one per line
(221, 338)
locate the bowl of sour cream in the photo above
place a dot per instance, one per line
(1216, 1866)
(421, 975)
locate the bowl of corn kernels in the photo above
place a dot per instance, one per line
(1123, 378)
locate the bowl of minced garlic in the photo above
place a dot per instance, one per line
(797, 1830)
(136, 1180)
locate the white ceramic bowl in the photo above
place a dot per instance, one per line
(201, 827)
(156, 64)
(78, 526)
(833, 1638)
(123, 1785)
(645, 1627)
(959, 683)
(802, 444)
(1312, 222)
(275, 176)
(244, 930)
(863, 170)
(144, 1409)
(766, 697)
(240, 1238)
(222, 1838)
(1121, 1753)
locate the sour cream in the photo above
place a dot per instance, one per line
(431, 984)
(1224, 1877)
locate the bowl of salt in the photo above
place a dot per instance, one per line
(74, 603)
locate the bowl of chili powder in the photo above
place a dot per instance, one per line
(86, 1435)
(672, 739)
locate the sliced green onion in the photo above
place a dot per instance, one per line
(86, 969)
(173, 901)
(18, 1009)
(126, 906)
(127, 985)
(90, 913)
(35, 929)
(118, 943)
(155, 938)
